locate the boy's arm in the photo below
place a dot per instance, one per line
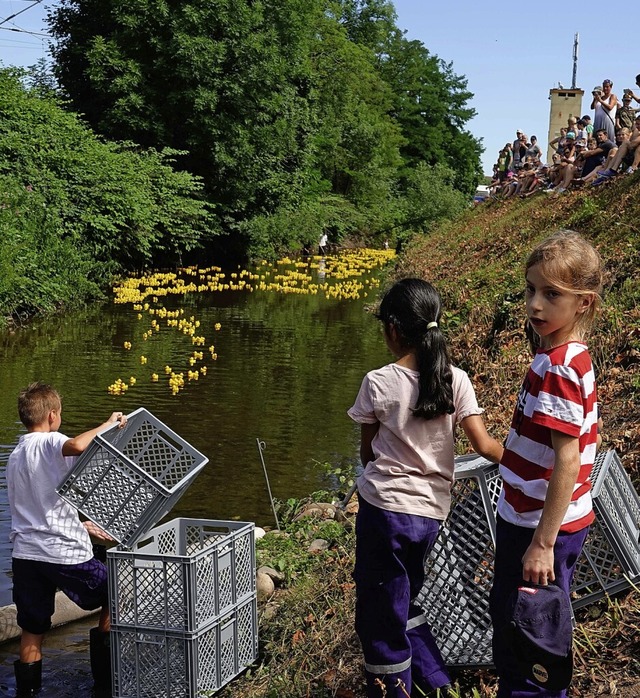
(367, 432)
(537, 562)
(482, 443)
(76, 445)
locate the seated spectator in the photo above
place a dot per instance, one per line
(596, 175)
(628, 149)
(564, 172)
(594, 157)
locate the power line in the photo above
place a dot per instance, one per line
(15, 14)
(24, 31)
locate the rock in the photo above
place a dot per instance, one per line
(276, 576)
(264, 586)
(259, 532)
(319, 510)
(319, 545)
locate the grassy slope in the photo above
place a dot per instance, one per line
(476, 262)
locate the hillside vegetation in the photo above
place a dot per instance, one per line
(308, 646)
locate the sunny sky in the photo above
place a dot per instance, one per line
(510, 54)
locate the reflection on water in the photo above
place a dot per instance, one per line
(288, 368)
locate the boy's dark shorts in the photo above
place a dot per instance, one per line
(35, 584)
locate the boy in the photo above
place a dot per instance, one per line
(51, 547)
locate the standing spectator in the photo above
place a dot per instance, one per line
(322, 245)
(632, 93)
(581, 131)
(588, 125)
(517, 156)
(626, 114)
(558, 142)
(605, 104)
(533, 151)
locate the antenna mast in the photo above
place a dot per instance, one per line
(575, 61)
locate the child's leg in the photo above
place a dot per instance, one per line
(383, 611)
(30, 647)
(511, 544)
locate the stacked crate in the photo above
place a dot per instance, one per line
(183, 609)
(459, 568)
(182, 595)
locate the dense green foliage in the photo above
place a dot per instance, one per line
(280, 106)
(76, 210)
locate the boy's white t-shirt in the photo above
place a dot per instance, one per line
(43, 526)
(413, 468)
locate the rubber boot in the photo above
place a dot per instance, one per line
(100, 657)
(28, 678)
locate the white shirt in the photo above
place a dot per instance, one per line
(413, 468)
(43, 526)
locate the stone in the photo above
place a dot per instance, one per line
(319, 545)
(264, 586)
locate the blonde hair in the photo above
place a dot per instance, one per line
(35, 402)
(572, 264)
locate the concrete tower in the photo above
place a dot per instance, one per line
(564, 103)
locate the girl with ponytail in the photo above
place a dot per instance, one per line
(408, 412)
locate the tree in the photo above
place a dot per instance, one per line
(227, 81)
(431, 107)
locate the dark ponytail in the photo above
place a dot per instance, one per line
(413, 307)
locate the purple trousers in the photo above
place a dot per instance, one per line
(399, 649)
(511, 544)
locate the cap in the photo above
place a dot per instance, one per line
(570, 134)
(540, 631)
(519, 131)
(581, 143)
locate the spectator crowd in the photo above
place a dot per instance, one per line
(586, 153)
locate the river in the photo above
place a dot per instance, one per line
(291, 341)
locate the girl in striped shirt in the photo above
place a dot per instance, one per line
(545, 509)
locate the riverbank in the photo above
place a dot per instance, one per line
(308, 644)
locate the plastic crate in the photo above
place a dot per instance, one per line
(184, 665)
(459, 568)
(129, 478)
(183, 575)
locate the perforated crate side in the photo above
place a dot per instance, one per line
(128, 479)
(155, 448)
(183, 575)
(617, 507)
(459, 572)
(459, 569)
(151, 664)
(599, 570)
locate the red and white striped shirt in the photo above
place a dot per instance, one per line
(559, 394)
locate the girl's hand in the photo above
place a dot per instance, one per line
(537, 564)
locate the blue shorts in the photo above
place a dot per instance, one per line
(35, 584)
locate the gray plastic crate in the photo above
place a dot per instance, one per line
(182, 575)
(459, 568)
(150, 664)
(129, 478)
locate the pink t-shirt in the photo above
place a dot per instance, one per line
(412, 470)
